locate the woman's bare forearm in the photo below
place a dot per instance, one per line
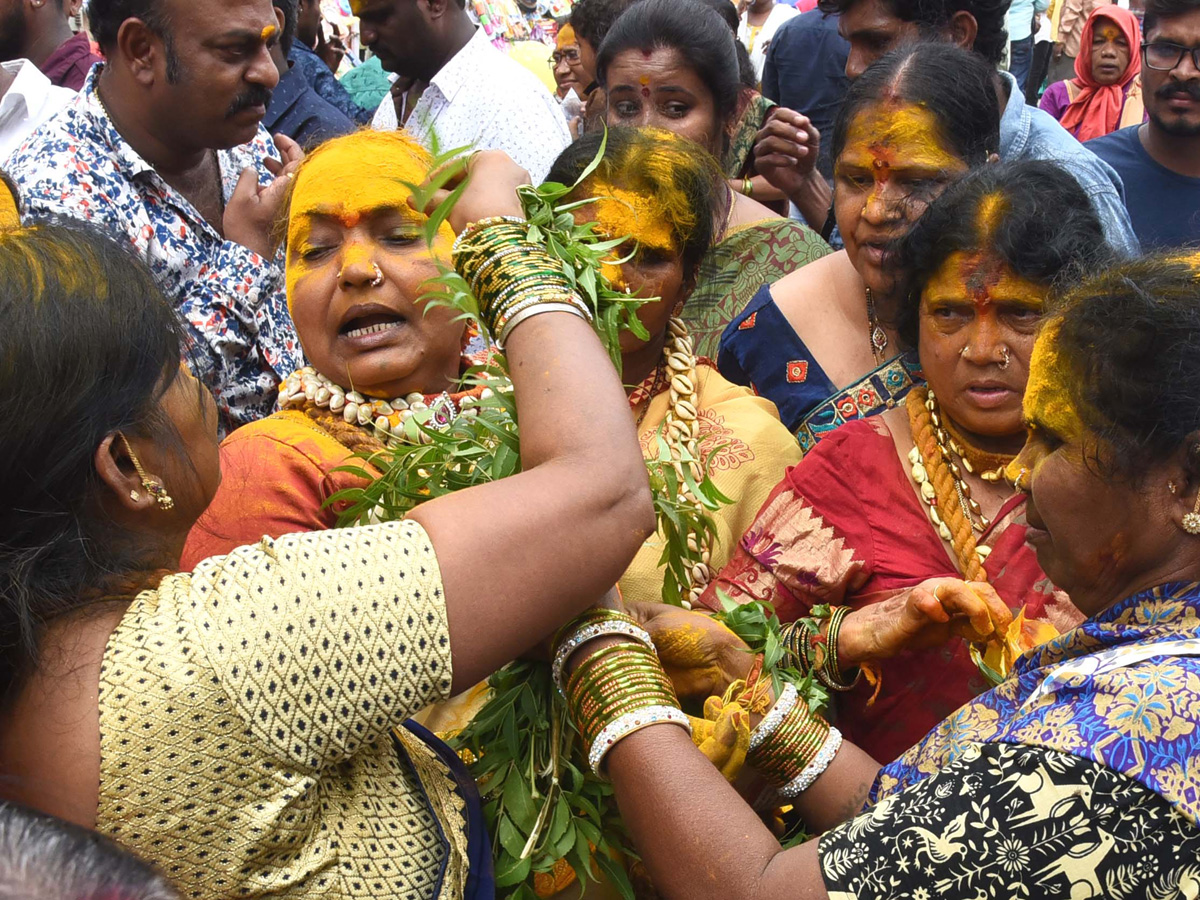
(701, 841)
(520, 556)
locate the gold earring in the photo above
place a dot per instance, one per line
(1191, 521)
(134, 496)
(155, 489)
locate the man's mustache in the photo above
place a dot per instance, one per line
(257, 95)
(1190, 89)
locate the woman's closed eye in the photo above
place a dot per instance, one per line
(315, 252)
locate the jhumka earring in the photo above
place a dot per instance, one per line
(154, 488)
(1191, 521)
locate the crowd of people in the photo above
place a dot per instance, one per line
(917, 329)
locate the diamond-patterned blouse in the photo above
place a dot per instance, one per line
(248, 721)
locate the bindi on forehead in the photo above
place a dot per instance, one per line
(893, 134)
(979, 274)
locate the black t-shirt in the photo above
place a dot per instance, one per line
(1163, 205)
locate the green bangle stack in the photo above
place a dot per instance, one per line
(816, 650)
(618, 689)
(512, 278)
(792, 745)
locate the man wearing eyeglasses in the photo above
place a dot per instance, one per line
(1159, 161)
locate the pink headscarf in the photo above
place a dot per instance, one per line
(1097, 109)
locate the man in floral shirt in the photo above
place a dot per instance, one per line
(164, 146)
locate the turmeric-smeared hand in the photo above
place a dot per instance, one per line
(924, 616)
(700, 655)
(723, 736)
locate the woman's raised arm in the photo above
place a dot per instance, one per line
(522, 555)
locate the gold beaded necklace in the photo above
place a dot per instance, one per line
(938, 462)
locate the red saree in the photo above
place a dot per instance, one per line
(845, 527)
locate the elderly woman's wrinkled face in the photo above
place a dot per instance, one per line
(1098, 538)
(655, 268)
(893, 165)
(978, 322)
(1110, 52)
(662, 89)
(357, 268)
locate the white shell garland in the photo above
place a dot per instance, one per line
(920, 476)
(387, 419)
(682, 430)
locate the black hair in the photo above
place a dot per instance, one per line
(592, 19)
(692, 29)
(1166, 9)
(89, 346)
(44, 858)
(1129, 335)
(727, 11)
(290, 10)
(1042, 225)
(692, 172)
(954, 85)
(105, 18)
(932, 16)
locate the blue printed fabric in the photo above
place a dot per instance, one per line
(1122, 689)
(231, 300)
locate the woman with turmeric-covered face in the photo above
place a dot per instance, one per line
(357, 269)
(666, 196)
(673, 64)
(1075, 777)
(819, 342)
(887, 517)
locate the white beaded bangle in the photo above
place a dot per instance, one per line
(627, 724)
(783, 706)
(595, 630)
(814, 769)
(517, 318)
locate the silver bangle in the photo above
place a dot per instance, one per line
(784, 705)
(536, 310)
(625, 725)
(814, 770)
(587, 633)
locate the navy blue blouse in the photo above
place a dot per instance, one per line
(760, 350)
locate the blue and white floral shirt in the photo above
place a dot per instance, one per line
(231, 300)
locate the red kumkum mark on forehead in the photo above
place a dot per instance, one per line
(980, 272)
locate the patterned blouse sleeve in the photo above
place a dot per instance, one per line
(324, 641)
(1008, 820)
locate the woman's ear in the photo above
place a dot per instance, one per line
(1184, 485)
(117, 472)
